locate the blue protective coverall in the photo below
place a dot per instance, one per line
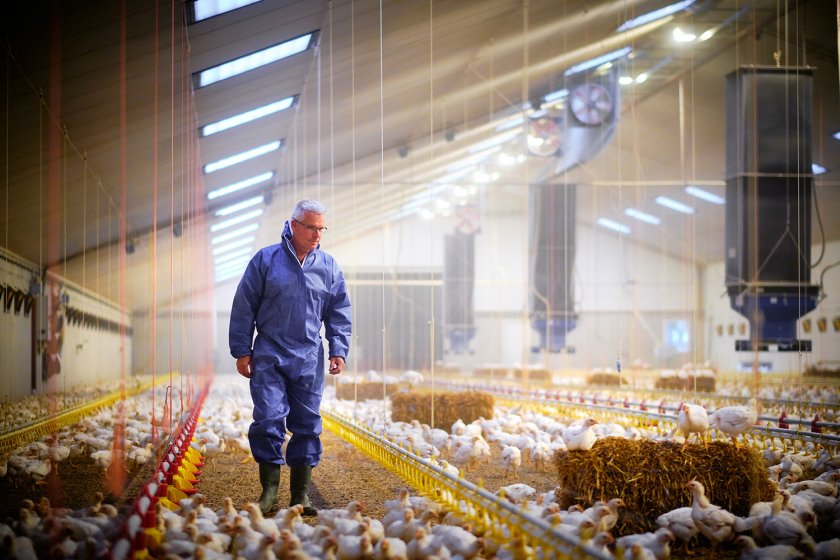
(287, 302)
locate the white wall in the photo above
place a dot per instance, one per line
(623, 292)
(92, 354)
(88, 354)
(15, 334)
(716, 311)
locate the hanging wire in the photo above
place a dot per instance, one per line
(156, 111)
(431, 227)
(382, 178)
(353, 171)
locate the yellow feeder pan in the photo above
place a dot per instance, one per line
(183, 485)
(175, 495)
(153, 536)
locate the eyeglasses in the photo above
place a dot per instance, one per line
(313, 229)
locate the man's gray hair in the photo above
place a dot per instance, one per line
(308, 205)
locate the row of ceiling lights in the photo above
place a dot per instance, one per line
(231, 257)
(231, 247)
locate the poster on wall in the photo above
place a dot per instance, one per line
(54, 339)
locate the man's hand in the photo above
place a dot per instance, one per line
(243, 366)
(336, 365)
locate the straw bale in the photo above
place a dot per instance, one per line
(605, 379)
(492, 372)
(687, 383)
(364, 390)
(535, 375)
(449, 407)
(650, 477)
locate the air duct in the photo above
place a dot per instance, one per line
(552, 222)
(458, 283)
(768, 203)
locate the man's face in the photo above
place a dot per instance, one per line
(306, 232)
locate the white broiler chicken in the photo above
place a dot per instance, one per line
(390, 549)
(680, 523)
(751, 551)
(517, 493)
(467, 454)
(659, 543)
(783, 527)
(580, 436)
(352, 547)
(713, 521)
(692, 419)
(458, 540)
(511, 459)
(735, 420)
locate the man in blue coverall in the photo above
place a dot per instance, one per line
(288, 291)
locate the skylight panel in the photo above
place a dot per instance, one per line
(654, 15)
(236, 220)
(221, 277)
(203, 9)
(254, 60)
(556, 95)
(598, 61)
(642, 216)
(233, 245)
(236, 264)
(244, 251)
(674, 205)
(247, 116)
(238, 186)
(240, 206)
(242, 156)
(234, 234)
(705, 195)
(615, 226)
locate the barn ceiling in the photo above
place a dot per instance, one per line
(102, 113)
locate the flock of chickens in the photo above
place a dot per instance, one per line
(803, 511)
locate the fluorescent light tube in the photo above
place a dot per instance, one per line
(639, 215)
(598, 61)
(674, 205)
(203, 9)
(244, 251)
(236, 220)
(242, 156)
(234, 234)
(254, 60)
(247, 116)
(240, 206)
(705, 195)
(555, 95)
(236, 264)
(244, 184)
(233, 245)
(615, 226)
(654, 15)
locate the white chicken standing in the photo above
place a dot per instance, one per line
(692, 419)
(580, 436)
(735, 420)
(713, 521)
(511, 459)
(680, 523)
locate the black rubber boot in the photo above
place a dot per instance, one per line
(270, 482)
(299, 488)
